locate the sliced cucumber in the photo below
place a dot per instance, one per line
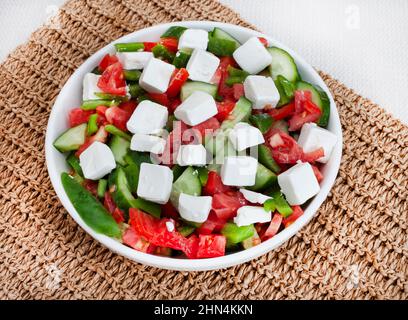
(252, 241)
(221, 34)
(174, 32)
(319, 98)
(283, 64)
(191, 86)
(240, 113)
(181, 58)
(265, 158)
(120, 148)
(132, 175)
(265, 178)
(71, 139)
(188, 183)
(138, 158)
(122, 194)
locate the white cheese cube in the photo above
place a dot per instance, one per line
(145, 143)
(197, 108)
(134, 60)
(261, 91)
(148, 118)
(239, 171)
(193, 208)
(252, 56)
(202, 65)
(156, 76)
(155, 183)
(90, 86)
(313, 137)
(192, 155)
(97, 161)
(254, 197)
(193, 39)
(247, 215)
(244, 136)
(298, 183)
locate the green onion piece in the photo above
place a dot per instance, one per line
(129, 47)
(117, 132)
(262, 121)
(92, 104)
(102, 184)
(108, 96)
(92, 124)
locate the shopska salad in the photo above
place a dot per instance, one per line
(195, 145)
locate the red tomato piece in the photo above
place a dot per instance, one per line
(133, 240)
(300, 97)
(305, 110)
(160, 98)
(283, 147)
(179, 77)
(107, 61)
(173, 105)
(299, 119)
(118, 215)
(191, 247)
(148, 46)
(225, 205)
(212, 224)
(108, 202)
(112, 80)
(313, 155)
(263, 41)
(297, 212)
(224, 109)
(118, 117)
(128, 106)
(171, 44)
(317, 173)
(101, 135)
(173, 143)
(169, 211)
(211, 246)
(273, 227)
(283, 112)
(214, 184)
(238, 90)
(91, 186)
(207, 127)
(226, 92)
(78, 116)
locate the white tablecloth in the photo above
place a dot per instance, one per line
(363, 43)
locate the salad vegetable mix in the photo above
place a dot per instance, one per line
(195, 145)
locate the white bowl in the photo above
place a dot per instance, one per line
(70, 97)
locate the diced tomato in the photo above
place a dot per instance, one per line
(118, 117)
(263, 41)
(299, 119)
(297, 212)
(148, 46)
(108, 202)
(305, 110)
(283, 112)
(160, 98)
(101, 110)
(226, 204)
(273, 227)
(128, 106)
(173, 105)
(313, 155)
(226, 92)
(171, 44)
(211, 246)
(283, 147)
(238, 90)
(112, 80)
(214, 184)
(191, 247)
(207, 127)
(212, 224)
(179, 77)
(135, 241)
(118, 215)
(224, 109)
(169, 211)
(91, 186)
(107, 61)
(173, 143)
(317, 173)
(78, 116)
(101, 135)
(300, 97)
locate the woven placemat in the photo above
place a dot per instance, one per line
(355, 247)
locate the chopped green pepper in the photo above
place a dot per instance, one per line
(286, 90)
(263, 121)
(135, 90)
(235, 76)
(281, 204)
(235, 234)
(92, 124)
(161, 52)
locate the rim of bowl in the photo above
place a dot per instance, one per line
(229, 260)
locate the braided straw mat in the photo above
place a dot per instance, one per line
(355, 248)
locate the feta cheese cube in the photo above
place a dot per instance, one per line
(298, 184)
(313, 137)
(252, 56)
(261, 91)
(193, 39)
(197, 108)
(254, 197)
(156, 76)
(239, 171)
(148, 118)
(192, 155)
(155, 183)
(202, 65)
(146, 143)
(193, 208)
(247, 215)
(90, 86)
(244, 136)
(134, 60)
(97, 161)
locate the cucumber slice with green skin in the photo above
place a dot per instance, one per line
(147, 206)
(89, 208)
(122, 195)
(177, 171)
(221, 47)
(265, 158)
(283, 64)
(74, 163)
(235, 234)
(174, 32)
(251, 241)
(265, 178)
(221, 34)
(191, 86)
(262, 121)
(181, 58)
(240, 113)
(120, 148)
(132, 172)
(137, 158)
(71, 139)
(188, 183)
(202, 175)
(319, 98)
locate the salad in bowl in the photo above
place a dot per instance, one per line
(197, 145)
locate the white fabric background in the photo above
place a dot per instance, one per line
(363, 43)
